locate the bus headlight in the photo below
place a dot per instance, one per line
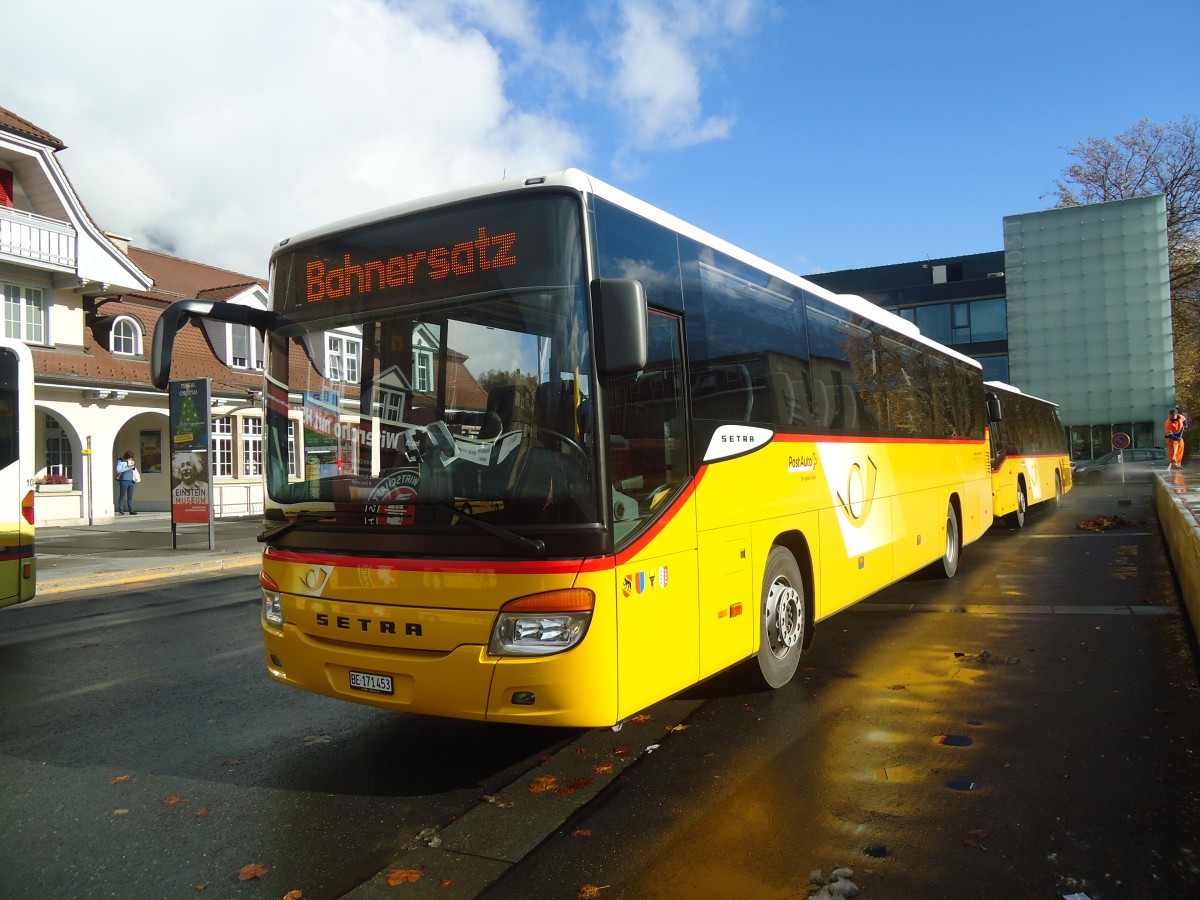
(541, 624)
(272, 600)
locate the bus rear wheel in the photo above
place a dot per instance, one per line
(1016, 518)
(784, 619)
(949, 562)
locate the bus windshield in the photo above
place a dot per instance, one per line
(401, 394)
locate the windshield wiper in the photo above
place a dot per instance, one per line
(302, 517)
(532, 546)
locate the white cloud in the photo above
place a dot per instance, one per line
(661, 54)
(211, 131)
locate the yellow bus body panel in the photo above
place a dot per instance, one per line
(677, 605)
(1038, 472)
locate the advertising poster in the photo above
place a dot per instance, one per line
(190, 479)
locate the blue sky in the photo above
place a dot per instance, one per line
(820, 135)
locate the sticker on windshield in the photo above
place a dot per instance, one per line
(391, 500)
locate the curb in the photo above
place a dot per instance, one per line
(115, 580)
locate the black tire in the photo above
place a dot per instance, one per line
(784, 621)
(1016, 518)
(1055, 503)
(949, 561)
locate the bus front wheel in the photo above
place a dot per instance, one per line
(784, 619)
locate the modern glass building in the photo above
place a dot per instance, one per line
(1075, 309)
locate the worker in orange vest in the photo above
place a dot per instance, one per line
(1176, 424)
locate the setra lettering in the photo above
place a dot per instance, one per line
(358, 623)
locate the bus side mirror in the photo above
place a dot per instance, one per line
(179, 313)
(993, 408)
(622, 333)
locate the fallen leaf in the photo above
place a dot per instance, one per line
(173, 800)
(294, 895)
(252, 871)
(678, 728)
(581, 832)
(120, 812)
(622, 751)
(446, 883)
(581, 751)
(231, 762)
(604, 768)
(581, 782)
(397, 877)
(120, 779)
(203, 811)
(591, 891)
(642, 719)
(543, 783)
(317, 739)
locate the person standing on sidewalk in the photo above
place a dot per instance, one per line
(1173, 429)
(127, 478)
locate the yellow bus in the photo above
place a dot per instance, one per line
(542, 453)
(1030, 460)
(18, 565)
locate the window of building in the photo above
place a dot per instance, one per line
(246, 347)
(25, 313)
(964, 322)
(252, 444)
(222, 446)
(125, 339)
(422, 371)
(293, 445)
(59, 454)
(6, 188)
(342, 354)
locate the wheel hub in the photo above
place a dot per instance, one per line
(788, 616)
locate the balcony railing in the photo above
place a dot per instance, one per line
(37, 239)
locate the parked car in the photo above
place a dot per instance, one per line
(1137, 465)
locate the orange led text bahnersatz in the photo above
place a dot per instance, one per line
(486, 251)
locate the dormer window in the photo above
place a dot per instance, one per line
(125, 339)
(246, 347)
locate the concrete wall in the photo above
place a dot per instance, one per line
(1181, 531)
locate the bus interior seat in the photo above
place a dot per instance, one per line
(501, 401)
(723, 393)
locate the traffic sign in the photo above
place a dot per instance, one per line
(1121, 441)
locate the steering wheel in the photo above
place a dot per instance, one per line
(563, 439)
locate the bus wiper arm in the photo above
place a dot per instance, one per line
(304, 516)
(532, 546)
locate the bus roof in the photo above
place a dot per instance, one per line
(586, 184)
(1012, 389)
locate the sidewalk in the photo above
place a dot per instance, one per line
(138, 548)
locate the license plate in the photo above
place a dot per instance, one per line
(375, 684)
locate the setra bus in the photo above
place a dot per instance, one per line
(18, 565)
(1030, 460)
(542, 453)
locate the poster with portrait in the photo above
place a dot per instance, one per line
(189, 487)
(190, 477)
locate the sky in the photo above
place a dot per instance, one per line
(817, 134)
